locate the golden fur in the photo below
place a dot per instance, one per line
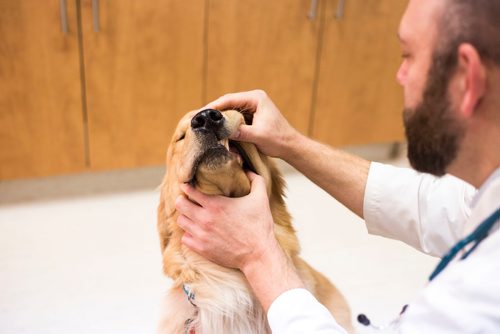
(224, 301)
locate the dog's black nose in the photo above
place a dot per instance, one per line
(209, 119)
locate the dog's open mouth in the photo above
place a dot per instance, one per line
(225, 150)
(242, 156)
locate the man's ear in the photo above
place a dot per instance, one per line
(473, 78)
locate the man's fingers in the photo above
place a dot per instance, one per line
(185, 223)
(187, 208)
(244, 133)
(187, 239)
(192, 231)
(252, 176)
(246, 101)
(258, 183)
(193, 194)
(230, 101)
(191, 242)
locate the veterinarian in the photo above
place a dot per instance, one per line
(450, 73)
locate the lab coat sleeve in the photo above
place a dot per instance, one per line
(424, 211)
(297, 311)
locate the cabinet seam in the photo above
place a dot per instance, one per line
(317, 69)
(83, 86)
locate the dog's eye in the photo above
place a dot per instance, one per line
(181, 137)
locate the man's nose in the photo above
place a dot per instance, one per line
(402, 73)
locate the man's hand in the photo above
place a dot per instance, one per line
(238, 233)
(270, 131)
(233, 232)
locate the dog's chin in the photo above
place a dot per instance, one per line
(217, 158)
(221, 172)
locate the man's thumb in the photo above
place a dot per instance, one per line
(244, 133)
(258, 183)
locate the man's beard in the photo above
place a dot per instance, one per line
(432, 131)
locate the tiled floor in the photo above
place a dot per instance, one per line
(77, 258)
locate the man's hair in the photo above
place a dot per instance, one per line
(476, 22)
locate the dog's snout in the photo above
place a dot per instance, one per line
(209, 119)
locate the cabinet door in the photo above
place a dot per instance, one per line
(264, 44)
(41, 120)
(359, 100)
(143, 70)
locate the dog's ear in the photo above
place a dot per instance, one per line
(167, 198)
(166, 212)
(162, 225)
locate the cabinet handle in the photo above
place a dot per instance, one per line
(312, 11)
(339, 14)
(95, 14)
(64, 16)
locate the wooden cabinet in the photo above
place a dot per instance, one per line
(41, 119)
(143, 71)
(270, 45)
(106, 94)
(333, 77)
(358, 98)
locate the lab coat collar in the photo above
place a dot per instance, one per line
(485, 202)
(494, 176)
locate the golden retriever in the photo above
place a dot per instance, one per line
(205, 297)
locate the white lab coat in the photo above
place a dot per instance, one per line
(465, 297)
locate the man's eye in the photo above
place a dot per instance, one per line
(405, 55)
(182, 137)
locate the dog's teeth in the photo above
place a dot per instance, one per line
(225, 142)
